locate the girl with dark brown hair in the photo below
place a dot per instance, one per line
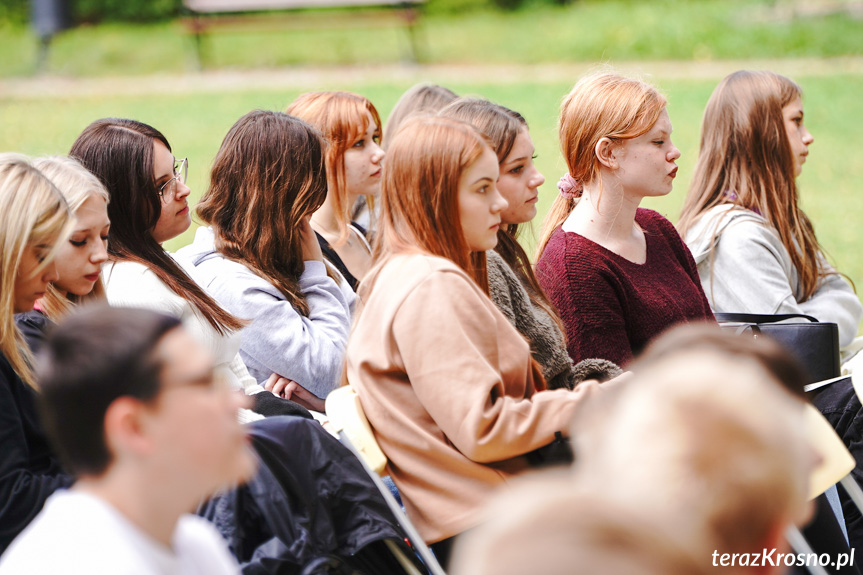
(513, 286)
(260, 258)
(149, 206)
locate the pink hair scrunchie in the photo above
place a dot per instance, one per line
(569, 187)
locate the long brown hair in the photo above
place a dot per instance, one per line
(120, 153)
(746, 160)
(420, 193)
(502, 126)
(32, 213)
(269, 174)
(600, 105)
(341, 118)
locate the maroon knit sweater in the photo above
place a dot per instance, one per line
(611, 307)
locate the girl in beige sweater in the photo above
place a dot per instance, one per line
(447, 383)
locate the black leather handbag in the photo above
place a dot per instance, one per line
(815, 344)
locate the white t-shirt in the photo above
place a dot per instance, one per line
(79, 534)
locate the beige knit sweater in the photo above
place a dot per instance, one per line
(447, 385)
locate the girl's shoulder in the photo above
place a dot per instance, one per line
(130, 276)
(400, 274)
(33, 325)
(420, 265)
(652, 220)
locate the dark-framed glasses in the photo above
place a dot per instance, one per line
(168, 190)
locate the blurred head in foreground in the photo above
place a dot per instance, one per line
(546, 525)
(709, 436)
(129, 392)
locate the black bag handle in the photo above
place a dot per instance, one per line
(760, 318)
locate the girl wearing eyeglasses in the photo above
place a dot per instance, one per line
(149, 206)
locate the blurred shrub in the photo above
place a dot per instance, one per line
(125, 10)
(456, 6)
(14, 11)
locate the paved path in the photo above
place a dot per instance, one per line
(333, 77)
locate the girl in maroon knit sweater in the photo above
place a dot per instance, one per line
(618, 274)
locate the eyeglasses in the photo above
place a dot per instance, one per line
(168, 191)
(214, 381)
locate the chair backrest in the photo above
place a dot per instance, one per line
(346, 416)
(836, 460)
(348, 421)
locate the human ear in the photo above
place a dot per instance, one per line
(125, 431)
(604, 151)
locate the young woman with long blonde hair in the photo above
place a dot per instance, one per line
(35, 221)
(351, 127)
(80, 258)
(618, 274)
(755, 248)
(448, 384)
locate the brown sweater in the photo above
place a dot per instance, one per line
(447, 384)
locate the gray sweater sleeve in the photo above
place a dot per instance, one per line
(309, 350)
(835, 301)
(751, 272)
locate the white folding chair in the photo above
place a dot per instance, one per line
(835, 467)
(348, 421)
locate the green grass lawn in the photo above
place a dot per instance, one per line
(585, 30)
(196, 123)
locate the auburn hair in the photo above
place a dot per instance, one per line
(341, 118)
(746, 160)
(600, 105)
(268, 176)
(420, 209)
(120, 153)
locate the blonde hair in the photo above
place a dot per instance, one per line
(727, 461)
(32, 212)
(600, 105)
(745, 151)
(545, 524)
(341, 118)
(419, 99)
(77, 184)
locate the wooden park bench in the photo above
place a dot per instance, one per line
(205, 15)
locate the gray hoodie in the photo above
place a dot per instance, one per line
(750, 271)
(309, 350)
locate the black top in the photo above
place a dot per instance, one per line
(33, 325)
(29, 469)
(334, 258)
